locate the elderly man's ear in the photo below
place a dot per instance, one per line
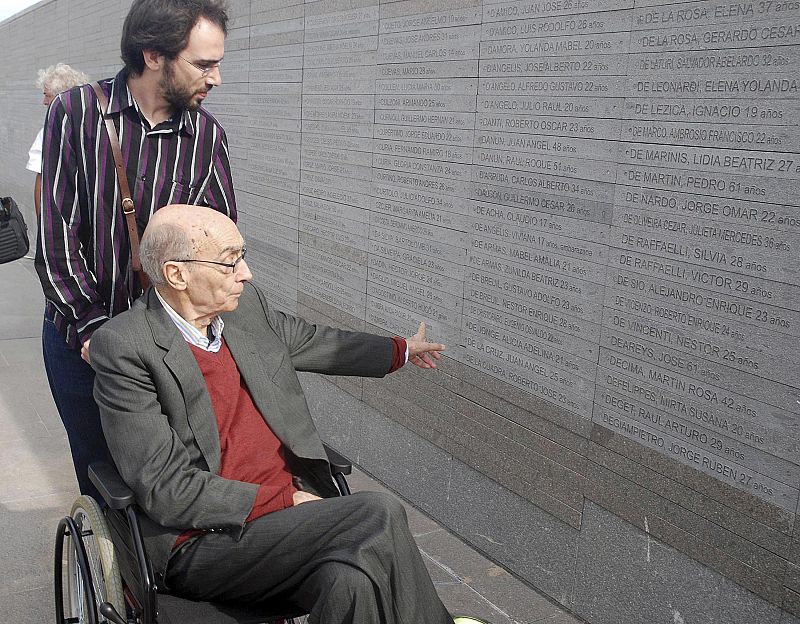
(175, 275)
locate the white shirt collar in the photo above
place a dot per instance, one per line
(190, 333)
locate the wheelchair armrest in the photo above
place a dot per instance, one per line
(339, 463)
(113, 489)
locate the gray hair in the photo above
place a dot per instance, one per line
(60, 77)
(166, 241)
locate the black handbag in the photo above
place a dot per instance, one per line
(13, 231)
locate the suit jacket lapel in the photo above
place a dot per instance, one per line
(182, 364)
(258, 371)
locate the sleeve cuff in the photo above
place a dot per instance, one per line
(269, 500)
(399, 353)
(87, 328)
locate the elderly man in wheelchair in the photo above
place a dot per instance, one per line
(226, 507)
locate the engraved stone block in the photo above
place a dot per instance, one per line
(425, 198)
(539, 289)
(337, 296)
(395, 21)
(343, 169)
(428, 102)
(334, 233)
(713, 36)
(338, 270)
(500, 11)
(536, 162)
(342, 46)
(426, 309)
(594, 149)
(432, 69)
(400, 321)
(759, 252)
(571, 24)
(345, 59)
(407, 270)
(438, 136)
(567, 106)
(445, 186)
(715, 185)
(425, 119)
(421, 166)
(416, 288)
(450, 153)
(519, 377)
(363, 130)
(606, 65)
(551, 329)
(602, 192)
(383, 252)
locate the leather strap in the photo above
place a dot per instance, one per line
(128, 207)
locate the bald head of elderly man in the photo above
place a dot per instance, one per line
(207, 423)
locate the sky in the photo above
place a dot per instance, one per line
(10, 7)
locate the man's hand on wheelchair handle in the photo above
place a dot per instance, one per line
(85, 352)
(421, 352)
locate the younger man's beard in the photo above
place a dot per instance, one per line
(179, 97)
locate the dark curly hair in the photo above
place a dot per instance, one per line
(164, 26)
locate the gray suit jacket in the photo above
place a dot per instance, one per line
(160, 426)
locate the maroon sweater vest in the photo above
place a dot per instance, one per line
(249, 450)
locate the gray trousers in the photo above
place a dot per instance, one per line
(350, 559)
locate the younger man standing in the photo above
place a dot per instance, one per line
(173, 152)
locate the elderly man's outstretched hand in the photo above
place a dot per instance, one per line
(421, 352)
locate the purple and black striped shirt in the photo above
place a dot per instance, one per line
(83, 253)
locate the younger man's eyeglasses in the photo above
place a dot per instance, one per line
(204, 71)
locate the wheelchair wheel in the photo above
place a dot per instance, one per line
(97, 550)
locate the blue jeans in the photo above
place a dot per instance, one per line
(71, 381)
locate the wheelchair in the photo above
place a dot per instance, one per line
(102, 573)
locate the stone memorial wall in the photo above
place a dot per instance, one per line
(594, 203)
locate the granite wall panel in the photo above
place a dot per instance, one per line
(593, 203)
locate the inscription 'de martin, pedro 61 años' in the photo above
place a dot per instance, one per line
(594, 201)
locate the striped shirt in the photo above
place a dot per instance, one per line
(83, 253)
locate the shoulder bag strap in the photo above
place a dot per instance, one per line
(128, 208)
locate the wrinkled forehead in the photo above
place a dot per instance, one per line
(214, 237)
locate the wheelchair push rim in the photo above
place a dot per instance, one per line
(86, 569)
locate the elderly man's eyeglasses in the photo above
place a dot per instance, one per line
(228, 265)
(204, 71)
